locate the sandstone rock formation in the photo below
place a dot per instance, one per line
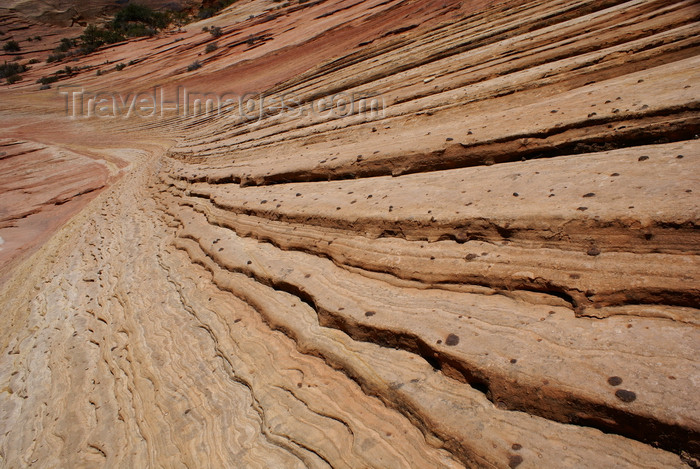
(497, 269)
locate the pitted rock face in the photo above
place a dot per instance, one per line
(495, 266)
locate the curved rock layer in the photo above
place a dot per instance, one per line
(498, 267)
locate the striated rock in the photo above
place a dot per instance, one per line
(496, 268)
(41, 187)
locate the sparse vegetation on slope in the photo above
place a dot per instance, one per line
(11, 72)
(11, 46)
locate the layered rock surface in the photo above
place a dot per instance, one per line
(497, 268)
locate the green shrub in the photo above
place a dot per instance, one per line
(135, 13)
(94, 37)
(205, 13)
(211, 47)
(34, 61)
(119, 67)
(55, 57)
(65, 45)
(12, 79)
(215, 31)
(47, 80)
(194, 66)
(11, 46)
(13, 68)
(133, 20)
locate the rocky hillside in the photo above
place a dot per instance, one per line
(466, 238)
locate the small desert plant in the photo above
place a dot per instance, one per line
(37, 38)
(65, 45)
(211, 47)
(13, 68)
(215, 31)
(98, 73)
(135, 15)
(47, 80)
(205, 29)
(34, 61)
(12, 79)
(194, 66)
(11, 46)
(55, 57)
(205, 13)
(45, 87)
(119, 67)
(94, 37)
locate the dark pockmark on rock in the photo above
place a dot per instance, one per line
(514, 460)
(643, 158)
(589, 194)
(582, 209)
(615, 174)
(452, 340)
(471, 256)
(449, 139)
(370, 313)
(625, 396)
(679, 157)
(514, 360)
(515, 194)
(614, 381)
(517, 446)
(593, 251)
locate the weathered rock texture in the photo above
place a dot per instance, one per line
(499, 270)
